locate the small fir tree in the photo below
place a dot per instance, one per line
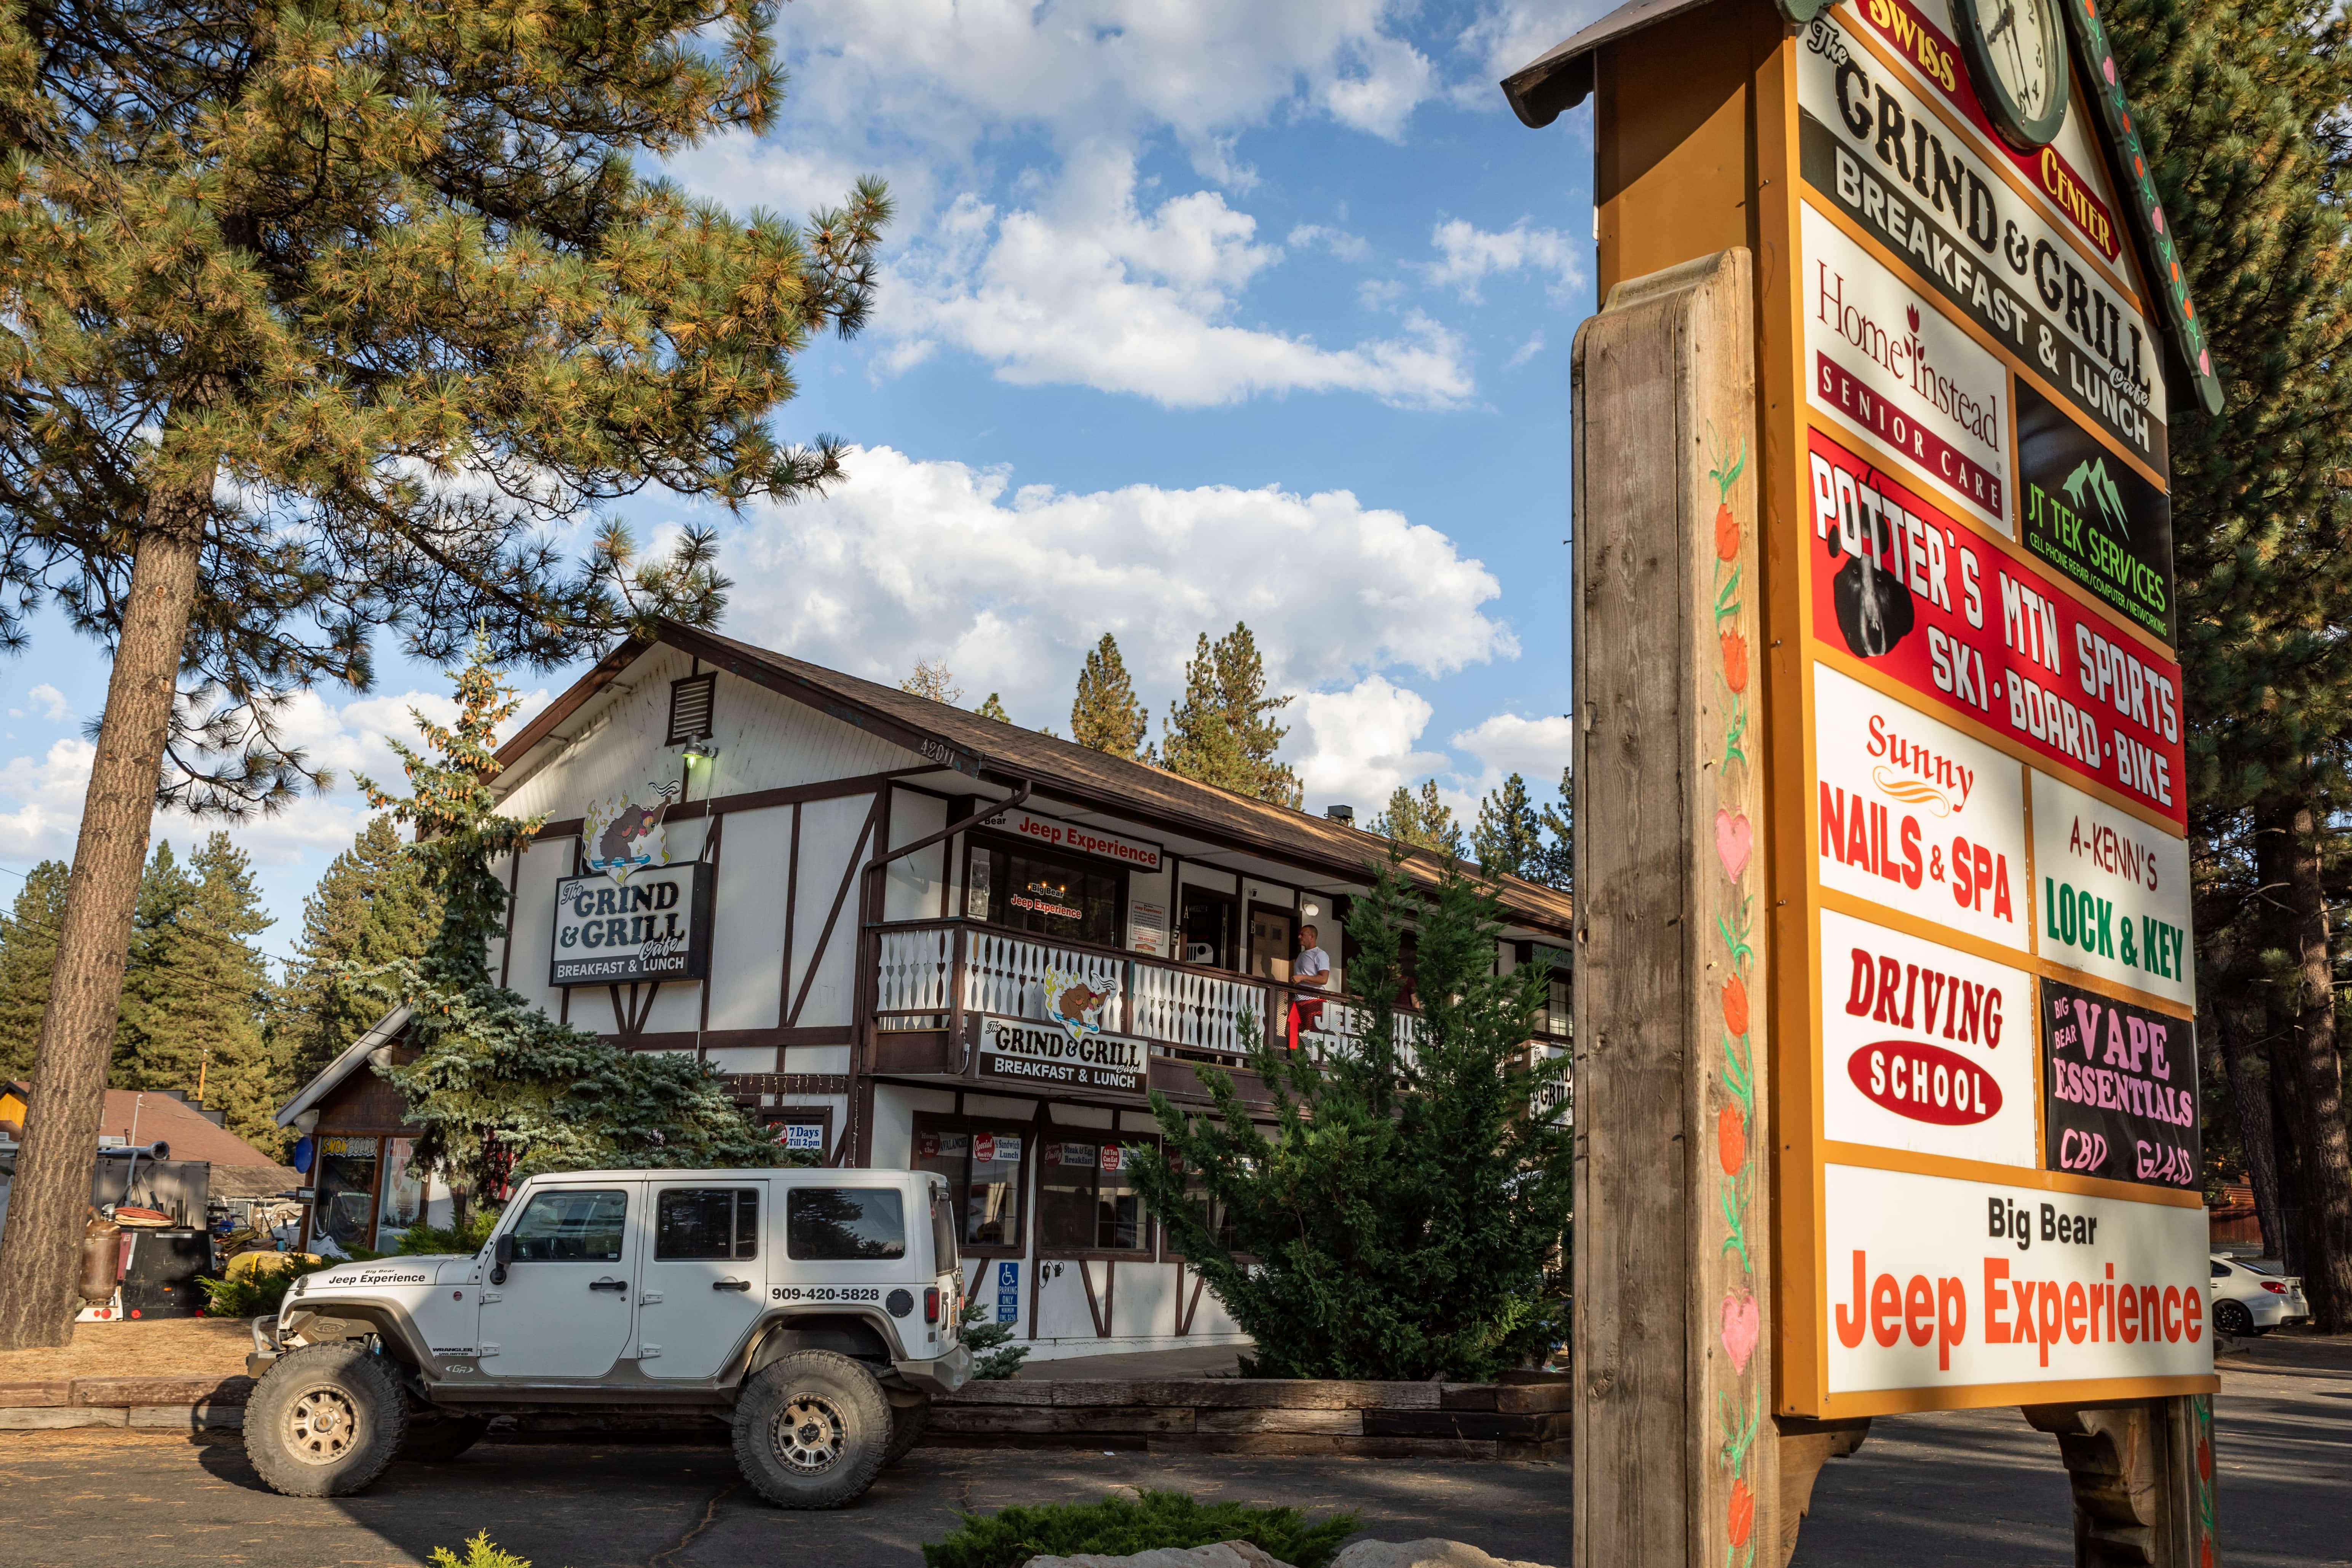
(193, 998)
(1223, 732)
(499, 1090)
(1509, 837)
(28, 949)
(1104, 714)
(1421, 821)
(931, 678)
(1408, 1217)
(994, 709)
(1554, 864)
(371, 908)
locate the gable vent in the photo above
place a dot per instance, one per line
(689, 708)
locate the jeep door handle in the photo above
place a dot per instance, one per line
(731, 1284)
(608, 1283)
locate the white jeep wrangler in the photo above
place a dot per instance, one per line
(818, 1306)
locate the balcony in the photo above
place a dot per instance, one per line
(932, 981)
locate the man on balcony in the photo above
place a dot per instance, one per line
(1313, 968)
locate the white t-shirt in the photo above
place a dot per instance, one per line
(1313, 961)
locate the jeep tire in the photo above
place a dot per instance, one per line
(437, 1439)
(907, 1423)
(811, 1429)
(325, 1420)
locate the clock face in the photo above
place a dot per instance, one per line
(2016, 52)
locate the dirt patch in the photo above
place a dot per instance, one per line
(173, 1346)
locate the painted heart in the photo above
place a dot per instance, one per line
(1735, 839)
(1742, 1323)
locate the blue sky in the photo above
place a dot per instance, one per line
(1197, 313)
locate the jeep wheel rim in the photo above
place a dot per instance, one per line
(321, 1425)
(809, 1435)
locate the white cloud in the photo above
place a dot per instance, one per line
(1535, 749)
(1528, 350)
(1012, 586)
(1088, 287)
(1512, 34)
(40, 800)
(51, 702)
(1354, 746)
(1468, 255)
(1318, 237)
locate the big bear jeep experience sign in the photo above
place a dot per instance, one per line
(654, 926)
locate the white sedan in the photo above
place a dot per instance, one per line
(2244, 1300)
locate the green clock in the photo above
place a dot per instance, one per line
(2016, 52)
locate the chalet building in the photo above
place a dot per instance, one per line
(910, 936)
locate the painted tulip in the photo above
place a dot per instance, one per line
(1740, 1517)
(1726, 531)
(1735, 661)
(1734, 1007)
(1730, 1140)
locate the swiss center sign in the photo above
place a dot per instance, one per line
(654, 926)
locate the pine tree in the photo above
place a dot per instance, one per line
(1509, 837)
(369, 909)
(193, 998)
(1105, 715)
(994, 709)
(1223, 732)
(500, 1090)
(2239, 108)
(1406, 1218)
(28, 949)
(1421, 821)
(326, 320)
(1555, 864)
(931, 678)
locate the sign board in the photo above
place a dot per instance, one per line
(1046, 1056)
(655, 926)
(1056, 834)
(1988, 1190)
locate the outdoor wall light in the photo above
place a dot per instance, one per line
(699, 755)
(1310, 909)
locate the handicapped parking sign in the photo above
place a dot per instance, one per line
(1008, 1292)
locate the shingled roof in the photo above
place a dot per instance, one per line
(1007, 753)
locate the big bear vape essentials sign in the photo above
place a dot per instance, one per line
(1998, 1193)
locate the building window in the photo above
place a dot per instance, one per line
(981, 1162)
(691, 702)
(804, 1129)
(1064, 900)
(1209, 922)
(1086, 1202)
(404, 1194)
(346, 1186)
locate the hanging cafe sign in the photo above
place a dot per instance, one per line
(1068, 1049)
(637, 917)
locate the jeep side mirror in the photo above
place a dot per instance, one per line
(501, 1254)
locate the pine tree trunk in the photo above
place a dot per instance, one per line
(2249, 1096)
(2308, 1079)
(40, 1249)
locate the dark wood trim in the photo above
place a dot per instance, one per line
(779, 1037)
(751, 800)
(712, 843)
(514, 881)
(792, 908)
(608, 669)
(790, 1083)
(1186, 1311)
(825, 937)
(1101, 1319)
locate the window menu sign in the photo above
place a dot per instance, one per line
(655, 926)
(2120, 1085)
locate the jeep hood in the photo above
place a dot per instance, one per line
(422, 1269)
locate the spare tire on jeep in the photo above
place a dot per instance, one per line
(811, 1429)
(325, 1420)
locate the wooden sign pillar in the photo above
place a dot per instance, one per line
(1676, 1456)
(1887, 1057)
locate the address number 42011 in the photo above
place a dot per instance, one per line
(825, 1293)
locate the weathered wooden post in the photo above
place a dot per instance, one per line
(1886, 1073)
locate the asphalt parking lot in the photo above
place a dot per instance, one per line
(1973, 1488)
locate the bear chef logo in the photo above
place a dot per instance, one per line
(622, 836)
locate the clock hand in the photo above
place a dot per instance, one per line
(2008, 17)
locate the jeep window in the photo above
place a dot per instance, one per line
(943, 1237)
(702, 1223)
(570, 1228)
(844, 1224)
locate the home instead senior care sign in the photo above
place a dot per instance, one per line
(2000, 1196)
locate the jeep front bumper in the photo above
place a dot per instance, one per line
(940, 1377)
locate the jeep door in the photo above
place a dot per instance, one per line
(565, 1308)
(704, 1277)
